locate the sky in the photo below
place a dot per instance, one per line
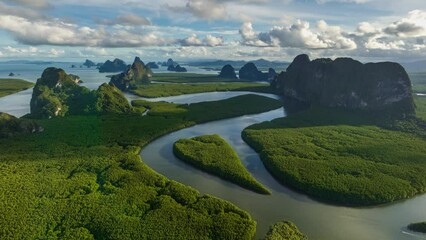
(71, 30)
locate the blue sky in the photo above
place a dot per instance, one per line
(67, 30)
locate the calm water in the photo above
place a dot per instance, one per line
(18, 104)
(318, 220)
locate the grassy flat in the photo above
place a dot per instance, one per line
(214, 110)
(190, 78)
(213, 154)
(420, 102)
(165, 90)
(418, 227)
(342, 157)
(284, 230)
(83, 178)
(419, 82)
(11, 86)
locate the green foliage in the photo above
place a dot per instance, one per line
(111, 100)
(418, 227)
(285, 230)
(190, 78)
(57, 94)
(342, 157)
(165, 90)
(10, 125)
(420, 102)
(196, 112)
(214, 155)
(10, 86)
(82, 178)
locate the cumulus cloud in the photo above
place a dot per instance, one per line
(211, 9)
(343, 1)
(56, 32)
(30, 3)
(20, 11)
(209, 41)
(31, 51)
(298, 35)
(412, 26)
(129, 19)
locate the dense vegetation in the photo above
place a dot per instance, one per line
(82, 178)
(214, 155)
(136, 74)
(165, 90)
(10, 86)
(344, 157)
(418, 227)
(190, 78)
(420, 102)
(285, 230)
(209, 111)
(58, 94)
(11, 126)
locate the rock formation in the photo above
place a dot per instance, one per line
(178, 68)
(152, 65)
(117, 65)
(348, 84)
(11, 126)
(250, 72)
(89, 63)
(57, 94)
(11, 74)
(169, 63)
(138, 73)
(228, 72)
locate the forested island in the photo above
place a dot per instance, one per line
(213, 154)
(72, 168)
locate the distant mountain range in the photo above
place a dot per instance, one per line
(418, 66)
(260, 63)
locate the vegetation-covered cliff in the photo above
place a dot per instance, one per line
(138, 73)
(348, 84)
(57, 93)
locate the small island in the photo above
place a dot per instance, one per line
(417, 227)
(214, 155)
(11, 86)
(285, 230)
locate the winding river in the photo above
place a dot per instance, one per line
(317, 220)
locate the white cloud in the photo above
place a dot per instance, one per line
(414, 25)
(128, 19)
(298, 35)
(31, 3)
(343, 1)
(213, 41)
(209, 41)
(56, 32)
(211, 9)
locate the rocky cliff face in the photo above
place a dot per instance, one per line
(117, 65)
(58, 94)
(348, 84)
(138, 73)
(251, 73)
(228, 72)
